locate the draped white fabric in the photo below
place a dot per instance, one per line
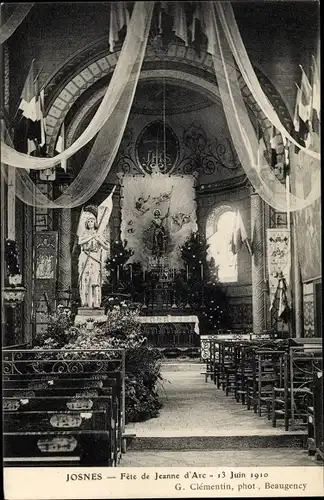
(111, 119)
(127, 70)
(227, 49)
(233, 37)
(16, 18)
(250, 149)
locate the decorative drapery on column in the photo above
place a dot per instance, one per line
(257, 229)
(64, 255)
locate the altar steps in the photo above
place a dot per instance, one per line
(215, 442)
(262, 457)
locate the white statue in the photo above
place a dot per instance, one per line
(93, 244)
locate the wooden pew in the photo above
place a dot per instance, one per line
(291, 402)
(73, 416)
(57, 449)
(270, 374)
(32, 417)
(318, 415)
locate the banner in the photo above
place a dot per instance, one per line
(158, 215)
(279, 258)
(308, 229)
(44, 297)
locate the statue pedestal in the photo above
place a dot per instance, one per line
(87, 313)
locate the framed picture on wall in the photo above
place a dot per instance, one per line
(46, 255)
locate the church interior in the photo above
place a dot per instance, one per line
(161, 233)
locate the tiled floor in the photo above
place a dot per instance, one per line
(195, 408)
(275, 457)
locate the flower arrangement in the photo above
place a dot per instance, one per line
(120, 331)
(12, 263)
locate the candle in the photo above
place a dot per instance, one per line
(187, 273)
(118, 273)
(202, 271)
(131, 272)
(143, 274)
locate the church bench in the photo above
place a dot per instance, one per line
(48, 420)
(33, 402)
(59, 379)
(291, 402)
(37, 413)
(226, 365)
(244, 387)
(43, 384)
(58, 448)
(209, 360)
(311, 444)
(269, 373)
(318, 415)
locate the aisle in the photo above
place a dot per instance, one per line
(193, 407)
(200, 426)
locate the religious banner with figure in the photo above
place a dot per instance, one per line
(279, 258)
(158, 215)
(308, 229)
(308, 220)
(46, 248)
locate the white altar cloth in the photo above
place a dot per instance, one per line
(170, 319)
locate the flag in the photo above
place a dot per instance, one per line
(180, 22)
(202, 25)
(197, 27)
(315, 112)
(119, 17)
(239, 236)
(302, 113)
(104, 211)
(29, 133)
(273, 144)
(304, 106)
(283, 309)
(287, 149)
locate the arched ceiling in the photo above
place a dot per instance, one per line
(157, 97)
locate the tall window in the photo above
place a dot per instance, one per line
(219, 231)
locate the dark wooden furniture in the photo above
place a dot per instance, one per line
(62, 411)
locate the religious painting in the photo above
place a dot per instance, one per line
(46, 255)
(304, 179)
(157, 148)
(158, 215)
(279, 258)
(308, 224)
(46, 248)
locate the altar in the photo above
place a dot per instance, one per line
(173, 334)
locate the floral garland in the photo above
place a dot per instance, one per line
(11, 259)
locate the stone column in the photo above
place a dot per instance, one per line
(64, 254)
(297, 287)
(257, 235)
